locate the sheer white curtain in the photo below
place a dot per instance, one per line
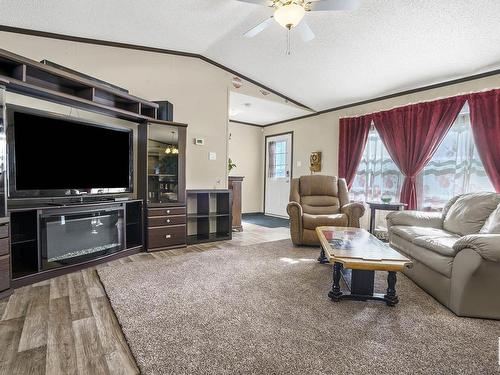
(377, 175)
(454, 169)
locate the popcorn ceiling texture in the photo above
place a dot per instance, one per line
(264, 309)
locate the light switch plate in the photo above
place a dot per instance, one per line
(212, 156)
(299, 163)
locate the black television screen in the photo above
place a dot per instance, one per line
(54, 156)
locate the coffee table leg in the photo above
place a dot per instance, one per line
(335, 293)
(322, 256)
(391, 298)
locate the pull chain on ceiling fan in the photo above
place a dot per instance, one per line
(290, 13)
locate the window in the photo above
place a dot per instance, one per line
(277, 159)
(455, 168)
(377, 174)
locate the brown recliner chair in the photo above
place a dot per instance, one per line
(320, 201)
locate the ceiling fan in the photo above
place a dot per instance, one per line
(289, 14)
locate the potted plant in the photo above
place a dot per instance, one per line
(230, 165)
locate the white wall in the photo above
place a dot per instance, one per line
(246, 149)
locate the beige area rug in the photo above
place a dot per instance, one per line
(264, 309)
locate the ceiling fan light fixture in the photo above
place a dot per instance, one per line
(289, 15)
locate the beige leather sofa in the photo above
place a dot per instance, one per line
(316, 201)
(456, 252)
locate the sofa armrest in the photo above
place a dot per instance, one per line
(294, 211)
(415, 218)
(354, 212)
(486, 245)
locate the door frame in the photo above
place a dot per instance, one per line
(265, 164)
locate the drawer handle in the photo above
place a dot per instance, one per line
(168, 236)
(168, 211)
(168, 220)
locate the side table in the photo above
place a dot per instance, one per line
(374, 206)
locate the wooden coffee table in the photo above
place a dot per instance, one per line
(356, 255)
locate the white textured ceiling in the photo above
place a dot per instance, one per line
(383, 47)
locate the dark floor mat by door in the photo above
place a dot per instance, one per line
(265, 221)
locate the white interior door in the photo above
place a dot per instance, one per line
(278, 174)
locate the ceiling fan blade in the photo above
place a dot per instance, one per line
(259, 28)
(258, 2)
(334, 5)
(305, 31)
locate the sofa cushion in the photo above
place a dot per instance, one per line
(440, 245)
(410, 232)
(438, 262)
(492, 224)
(318, 185)
(312, 221)
(320, 204)
(469, 212)
(433, 260)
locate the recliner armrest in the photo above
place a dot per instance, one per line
(415, 218)
(294, 208)
(486, 245)
(354, 212)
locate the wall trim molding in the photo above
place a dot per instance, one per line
(46, 34)
(246, 123)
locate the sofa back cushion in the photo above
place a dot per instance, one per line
(492, 224)
(469, 212)
(319, 194)
(318, 185)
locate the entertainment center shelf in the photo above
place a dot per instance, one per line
(29, 77)
(123, 195)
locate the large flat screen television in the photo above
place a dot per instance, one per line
(55, 156)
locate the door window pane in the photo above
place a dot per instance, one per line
(277, 151)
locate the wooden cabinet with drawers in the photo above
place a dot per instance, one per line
(166, 228)
(5, 289)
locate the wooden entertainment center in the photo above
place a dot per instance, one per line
(152, 217)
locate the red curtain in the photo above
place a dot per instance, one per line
(485, 123)
(353, 134)
(412, 135)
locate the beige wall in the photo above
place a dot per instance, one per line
(246, 149)
(199, 91)
(320, 133)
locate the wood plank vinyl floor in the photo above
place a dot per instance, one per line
(66, 325)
